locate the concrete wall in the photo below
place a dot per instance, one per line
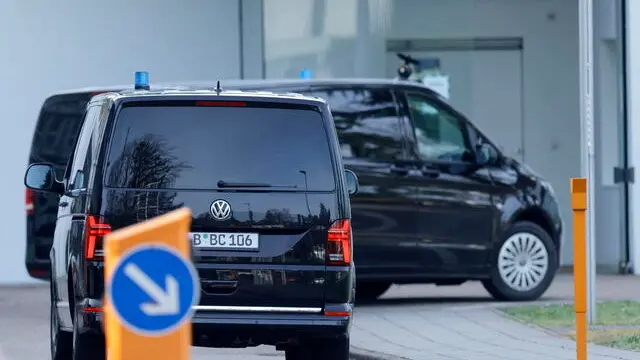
(348, 38)
(608, 128)
(633, 106)
(48, 46)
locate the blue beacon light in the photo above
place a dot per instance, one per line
(306, 74)
(142, 81)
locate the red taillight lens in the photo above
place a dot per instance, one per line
(29, 201)
(96, 229)
(339, 243)
(337, 313)
(221, 103)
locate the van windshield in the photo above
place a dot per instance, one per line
(202, 147)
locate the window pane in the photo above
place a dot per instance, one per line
(439, 134)
(366, 121)
(56, 131)
(189, 147)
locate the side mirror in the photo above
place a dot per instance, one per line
(41, 177)
(352, 181)
(486, 155)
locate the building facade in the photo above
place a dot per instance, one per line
(512, 65)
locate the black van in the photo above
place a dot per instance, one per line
(55, 134)
(253, 166)
(438, 203)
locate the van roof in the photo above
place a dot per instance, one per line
(261, 83)
(179, 92)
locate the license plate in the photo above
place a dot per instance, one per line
(225, 241)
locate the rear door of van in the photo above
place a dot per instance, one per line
(260, 180)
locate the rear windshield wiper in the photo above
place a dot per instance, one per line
(227, 184)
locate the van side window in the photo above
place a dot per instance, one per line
(83, 154)
(440, 136)
(366, 121)
(478, 138)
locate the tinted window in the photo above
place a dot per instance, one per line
(189, 147)
(440, 136)
(56, 130)
(83, 154)
(366, 121)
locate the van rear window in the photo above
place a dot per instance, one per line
(196, 147)
(57, 128)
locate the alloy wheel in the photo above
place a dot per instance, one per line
(523, 262)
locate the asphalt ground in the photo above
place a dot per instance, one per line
(24, 330)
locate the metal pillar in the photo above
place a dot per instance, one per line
(587, 145)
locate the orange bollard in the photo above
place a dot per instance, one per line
(579, 207)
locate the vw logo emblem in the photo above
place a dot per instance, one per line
(220, 210)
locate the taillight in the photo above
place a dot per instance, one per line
(29, 201)
(221, 103)
(339, 243)
(94, 234)
(337, 313)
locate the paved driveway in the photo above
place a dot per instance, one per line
(461, 323)
(411, 322)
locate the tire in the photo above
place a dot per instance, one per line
(87, 346)
(333, 349)
(60, 342)
(297, 353)
(370, 291)
(325, 349)
(528, 259)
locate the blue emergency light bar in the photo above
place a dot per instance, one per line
(305, 74)
(142, 81)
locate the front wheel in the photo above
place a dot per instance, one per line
(524, 266)
(61, 342)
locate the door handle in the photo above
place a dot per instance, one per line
(63, 204)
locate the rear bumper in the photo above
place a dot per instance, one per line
(240, 330)
(227, 329)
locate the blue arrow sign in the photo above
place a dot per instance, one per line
(153, 289)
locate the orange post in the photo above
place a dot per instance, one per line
(579, 207)
(150, 289)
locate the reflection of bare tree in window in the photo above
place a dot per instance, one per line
(277, 216)
(146, 163)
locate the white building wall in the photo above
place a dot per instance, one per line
(47, 46)
(608, 116)
(633, 116)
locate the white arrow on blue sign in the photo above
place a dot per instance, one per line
(153, 290)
